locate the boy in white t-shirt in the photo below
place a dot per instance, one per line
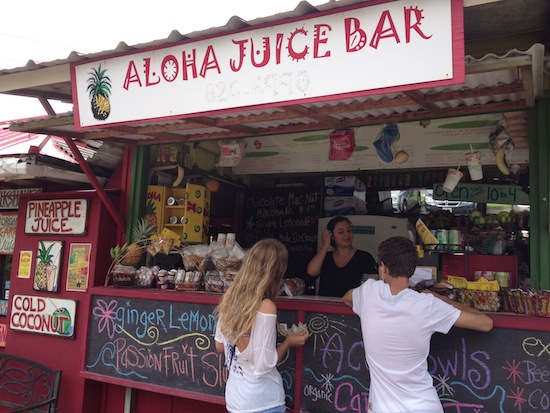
(397, 324)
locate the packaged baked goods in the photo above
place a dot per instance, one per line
(123, 275)
(144, 277)
(193, 255)
(214, 282)
(284, 330)
(188, 280)
(293, 286)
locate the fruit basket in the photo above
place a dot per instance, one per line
(481, 300)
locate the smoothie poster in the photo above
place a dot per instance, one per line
(78, 272)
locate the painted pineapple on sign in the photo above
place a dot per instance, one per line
(46, 276)
(99, 89)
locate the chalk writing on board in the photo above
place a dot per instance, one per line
(169, 344)
(287, 214)
(497, 372)
(166, 343)
(335, 367)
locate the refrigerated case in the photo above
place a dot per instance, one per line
(370, 230)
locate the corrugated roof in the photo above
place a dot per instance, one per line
(494, 83)
(22, 143)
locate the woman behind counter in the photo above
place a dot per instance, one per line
(247, 332)
(343, 268)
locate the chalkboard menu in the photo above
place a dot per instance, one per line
(287, 214)
(287, 366)
(335, 376)
(165, 343)
(501, 371)
(497, 372)
(158, 342)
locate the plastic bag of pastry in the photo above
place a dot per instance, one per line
(205, 265)
(213, 282)
(192, 256)
(284, 330)
(293, 286)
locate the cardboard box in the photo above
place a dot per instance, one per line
(344, 205)
(380, 208)
(378, 196)
(345, 186)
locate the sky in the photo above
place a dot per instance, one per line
(43, 31)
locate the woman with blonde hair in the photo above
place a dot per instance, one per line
(247, 332)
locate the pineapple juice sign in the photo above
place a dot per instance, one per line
(346, 52)
(56, 216)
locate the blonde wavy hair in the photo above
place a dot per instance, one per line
(259, 277)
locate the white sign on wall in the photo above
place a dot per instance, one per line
(43, 315)
(56, 216)
(9, 198)
(350, 51)
(8, 224)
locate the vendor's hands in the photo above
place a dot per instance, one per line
(298, 339)
(327, 235)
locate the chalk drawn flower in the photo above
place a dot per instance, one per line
(443, 386)
(518, 398)
(106, 314)
(327, 385)
(513, 369)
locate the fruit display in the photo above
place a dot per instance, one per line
(442, 219)
(503, 218)
(140, 235)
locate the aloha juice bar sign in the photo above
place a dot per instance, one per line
(345, 52)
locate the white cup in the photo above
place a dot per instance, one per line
(452, 179)
(474, 165)
(230, 240)
(222, 239)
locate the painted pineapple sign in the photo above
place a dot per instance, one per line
(99, 89)
(48, 258)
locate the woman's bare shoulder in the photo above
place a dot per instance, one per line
(268, 307)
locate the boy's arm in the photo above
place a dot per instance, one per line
(469, 317)
(347, 299)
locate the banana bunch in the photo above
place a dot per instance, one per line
(501, 161)
(501, 145)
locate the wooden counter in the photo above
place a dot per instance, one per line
(161, 341)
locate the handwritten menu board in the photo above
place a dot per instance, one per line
(166, 343)
(287, 214)
(335, 376)
(501, 371)
(483, 193)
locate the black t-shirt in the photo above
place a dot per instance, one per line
(335, 281)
